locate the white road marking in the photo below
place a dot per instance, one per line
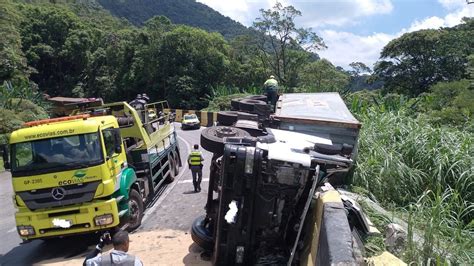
(190, 180)
(12, 230)
(149, 211)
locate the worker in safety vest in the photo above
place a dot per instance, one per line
(195, 160)
(271, 90)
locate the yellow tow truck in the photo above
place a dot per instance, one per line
(89, 172)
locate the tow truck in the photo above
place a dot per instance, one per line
(93, 171)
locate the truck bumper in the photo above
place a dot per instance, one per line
(77, 219)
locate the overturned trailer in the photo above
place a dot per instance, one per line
(324, 115)
(269, 183)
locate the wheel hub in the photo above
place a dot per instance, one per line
(223, 132)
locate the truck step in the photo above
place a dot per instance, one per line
(122, 213)
(120, 198)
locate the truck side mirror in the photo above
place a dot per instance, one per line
(117, 140)
(6, 161)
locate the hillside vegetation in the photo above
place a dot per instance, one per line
(186, 12)
(417, 140)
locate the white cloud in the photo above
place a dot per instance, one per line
(316, 13)
(450, 20)
(346, 47)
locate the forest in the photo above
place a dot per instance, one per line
(416, 104)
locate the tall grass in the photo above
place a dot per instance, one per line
(441, 219)
(429, 171)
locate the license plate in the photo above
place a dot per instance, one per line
(62, 223)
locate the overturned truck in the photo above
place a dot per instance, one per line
(269, 199)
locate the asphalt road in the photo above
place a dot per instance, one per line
(175, 208)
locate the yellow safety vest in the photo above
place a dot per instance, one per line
(195, 158)
(271, 83)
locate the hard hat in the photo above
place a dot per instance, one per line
(144, 96)
(139, 96)
(272, 77)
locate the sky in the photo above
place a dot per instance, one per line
(355, 30)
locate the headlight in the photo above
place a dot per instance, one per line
(26, 230)
(105, 219)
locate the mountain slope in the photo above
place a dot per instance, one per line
(188, 12)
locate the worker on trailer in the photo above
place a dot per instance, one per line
(139, 105)
(271, 90)
(195, 160)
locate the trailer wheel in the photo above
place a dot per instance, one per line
(201, 234)
(227, 118)
(212, 138)
(135, 205)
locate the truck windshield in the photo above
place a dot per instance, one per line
(56, 154)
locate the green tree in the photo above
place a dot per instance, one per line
(471, 70)
(12, 62)
(193, 59)
(413, 62)
(279, 39)
(56, 45)
(359, 68)
(449, 103)
(321, 75)
(245, 69)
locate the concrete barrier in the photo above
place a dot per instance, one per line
(207, 119)
(330, 240)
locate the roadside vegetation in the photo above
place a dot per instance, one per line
(422, 172)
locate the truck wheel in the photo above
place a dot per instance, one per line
(201, 234)
(135, 208)
(172, 169)
(176, 163)
(257, 97)
(226, 118)
(234, 103)
(247, 105)
(212, 138)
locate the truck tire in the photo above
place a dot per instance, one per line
(201, 234)
(234, 104)
(135, 205)
(176, 165)
(212, 138)
(227, 118)
(172, 169)
(257, 97)
(247, 105)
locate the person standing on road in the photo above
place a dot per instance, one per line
(195, 160)
(271, 90)
(118, 256)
